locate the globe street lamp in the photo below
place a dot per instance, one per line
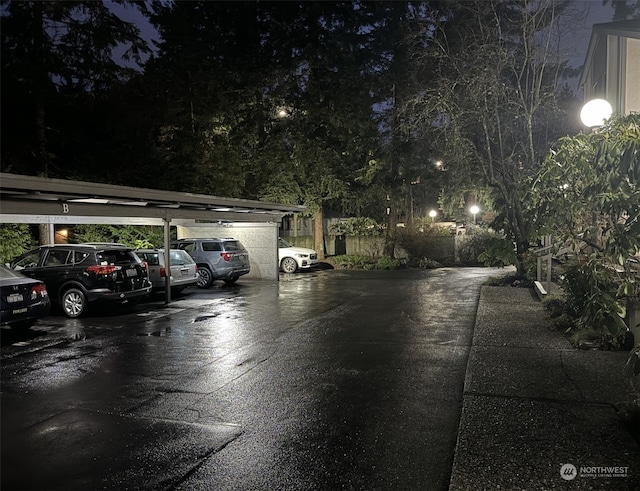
(474, 210)
(433, 214)
(595, 113)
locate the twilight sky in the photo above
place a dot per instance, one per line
(588, 12)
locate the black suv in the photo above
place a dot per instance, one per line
(217, 259)
(77, 274)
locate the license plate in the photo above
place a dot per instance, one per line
(184, 272)
(19, 311)
(132, 272)
(15, 297)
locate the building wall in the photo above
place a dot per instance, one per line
(632, 76)
(296, 226)
(260, 240)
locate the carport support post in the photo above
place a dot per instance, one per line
(167, 259)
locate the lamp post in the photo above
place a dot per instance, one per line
(433, 214)
(474, 210)
(595, 113)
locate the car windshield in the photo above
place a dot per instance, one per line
(283, 243)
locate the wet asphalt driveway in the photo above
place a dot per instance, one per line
(324, 380)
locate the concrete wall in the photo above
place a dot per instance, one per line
(260, 239)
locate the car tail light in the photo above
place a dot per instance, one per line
(226, 256)
(98, 269)
(163, 272)
(38, 290)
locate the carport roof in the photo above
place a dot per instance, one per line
(26, 195)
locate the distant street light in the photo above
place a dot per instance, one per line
(595, 112)
(474, 210)
(433, 214)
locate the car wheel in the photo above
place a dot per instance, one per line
(289, 265)
(74, 303)
(205, 278)
(230, 281)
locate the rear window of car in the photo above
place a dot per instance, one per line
(185, 246)
(6, 273)
(180, 257)
(233, 245)
(79, 256)
(151, 258)
(211, 246)
(117, 257)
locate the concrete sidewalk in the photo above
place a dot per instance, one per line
(533, 405)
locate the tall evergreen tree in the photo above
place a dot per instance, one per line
(331, 131)
(269, 100)
(56, 57)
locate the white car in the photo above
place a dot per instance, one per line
(294, 258)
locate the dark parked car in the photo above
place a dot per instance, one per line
(79, 274)
(217, 259)
(184, 271)
(24, 300)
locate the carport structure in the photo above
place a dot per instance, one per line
(38, 200)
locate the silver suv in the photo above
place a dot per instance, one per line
(217, 259)
(183, 271)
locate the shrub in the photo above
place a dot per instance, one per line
(587, 338)
(14, 240)
(386, 262)
(426, 263)
(486, 247)
(362, 226)
(596, 297)
(136, 236)
(499, 252)
(510, 280)
(352, 261)
(554, 305)
(356, 261)
(590, 288)
(563, 322)
(422, 245)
